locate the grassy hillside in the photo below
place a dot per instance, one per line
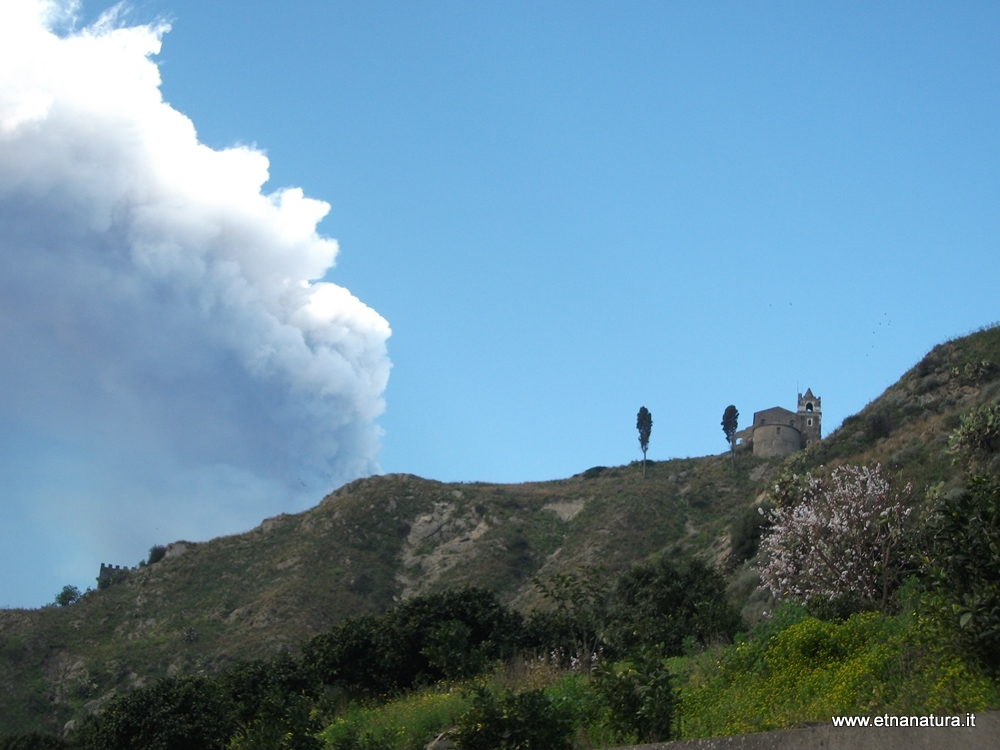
(206, 605)
(907, 427)
(384, 538)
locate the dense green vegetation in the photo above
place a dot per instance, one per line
(788, 669)
(799, 668)
(462, 662)
(453, 635)
(337, 692)
(478, 610)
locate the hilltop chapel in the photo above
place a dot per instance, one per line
(780, 432)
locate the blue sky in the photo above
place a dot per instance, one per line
(565, 211)
(568, 210)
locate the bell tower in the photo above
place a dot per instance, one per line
(810, 417)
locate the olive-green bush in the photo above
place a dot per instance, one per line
(663, 603)
(527, 720)
(639, 695)
(184, 713)
(962, 560)
(449, 635)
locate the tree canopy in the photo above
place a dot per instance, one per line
(842, 538)
(730, 423)
(644, 423)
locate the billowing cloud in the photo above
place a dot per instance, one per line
(170, 364)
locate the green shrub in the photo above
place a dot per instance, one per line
(784, 615)
(357, 738)
(273, 703)
(185, 713)
(156, 553)
(350, 655)
(449, 649)
(560, 632)
(980, 371)
(662, 603)
(962, 558)
(574, 696)
(283, 721)
(977, 438)
(572, 628)
(514, 721)
(838, 608)
(67, 596)
(746, 530)
(450, 635)
(639, 694)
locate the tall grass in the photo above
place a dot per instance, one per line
(407, 723)
(412, 720)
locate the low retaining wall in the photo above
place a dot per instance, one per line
(984, 736)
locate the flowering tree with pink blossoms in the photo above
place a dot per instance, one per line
(840, 539)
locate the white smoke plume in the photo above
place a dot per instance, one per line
(170, 365)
